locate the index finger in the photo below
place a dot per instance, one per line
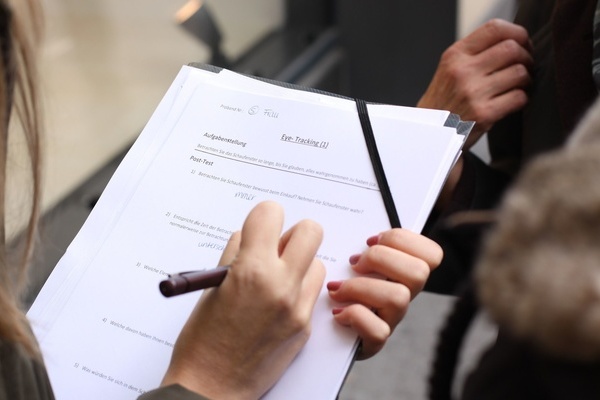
(262, 229)
(414, 244)
(493, 32)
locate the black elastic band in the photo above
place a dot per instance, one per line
(386, 194)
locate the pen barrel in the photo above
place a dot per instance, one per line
(192, 281)
(205, 279)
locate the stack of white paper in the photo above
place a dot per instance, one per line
(218, 144)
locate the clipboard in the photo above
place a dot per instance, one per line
(75, 306)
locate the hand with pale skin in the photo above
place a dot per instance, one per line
(483, 76)
(372, 306)
(242, 335)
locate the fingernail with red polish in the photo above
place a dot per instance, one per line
(337, 310)
(373, 240)
(333, 285)
(354, 259)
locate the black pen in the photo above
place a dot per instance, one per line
(185, 282)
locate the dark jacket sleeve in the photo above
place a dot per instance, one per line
(172, 392)
(479, 188)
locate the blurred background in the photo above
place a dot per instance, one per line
(107, 63)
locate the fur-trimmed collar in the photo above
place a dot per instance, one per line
(539, 273)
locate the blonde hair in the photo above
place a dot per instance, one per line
(20, 36)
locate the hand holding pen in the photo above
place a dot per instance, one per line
(253, 325)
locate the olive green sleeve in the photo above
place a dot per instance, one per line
(172, 392)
